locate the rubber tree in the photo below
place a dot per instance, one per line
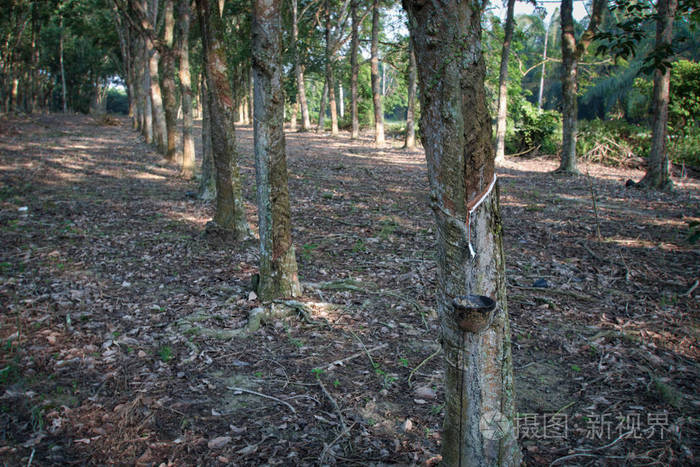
(501, 119)
(354, 70)
(207, 182)
(376, 85)
(299, 70)
(572, 51)
(456, 133)
(149, 20)
(167, 62)
(658, 173)
(230, 209)
(278, 266)
(183, 52)
(410, 142)
(330, 79)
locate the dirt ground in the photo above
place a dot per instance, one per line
(121, 322)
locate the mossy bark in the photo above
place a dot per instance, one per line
(278, 267)
(230, 209)
(456, 129)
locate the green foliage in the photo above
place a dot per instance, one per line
(683, 111)
(165, 353)
(532, 127)
(117, 101)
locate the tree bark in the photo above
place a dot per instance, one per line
(341, 101)
(658, 175)
(411, 110)
(207, 184)
(188, 156)
(293, 118)
(354, 70)
(64, 90)
(278, 266)
(544, 64)
(503, 86)
(571, 52)
(147, 103)
(376, 85)
(230, 209)
(169, 92)
(329, 72)
(456, 130)
(159, 125)
(322, 107)
(299, 70)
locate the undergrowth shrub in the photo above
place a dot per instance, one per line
(613, 142)
(533, 128)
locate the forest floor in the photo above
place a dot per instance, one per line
(122, 325)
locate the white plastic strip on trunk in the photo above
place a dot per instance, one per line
(478, 202)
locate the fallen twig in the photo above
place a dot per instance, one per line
(322, 457)
(234, 388)
(413, 371)
(364, 348)
(692, 289)
(355, 355)
(333, 403)
(555, 291)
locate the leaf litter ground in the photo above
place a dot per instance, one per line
(122, 328)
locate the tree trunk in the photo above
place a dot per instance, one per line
(503, 86)
(329, 72)
(299, 70)
(278, 266)
(294, 116)
(207, 184)
(64, 91)
(148, 106)
(411, 110)
(159, 126)
(34, 66)
(98, 106)
(456, 130)
(354, 70)
(569, 87)
(251, 96)
(169, 92)
(376, 85)
(571, 53)
(341, 101)
(658, 175)
(544, 64)
(230, 209)
(188, 155)
(322, 108)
